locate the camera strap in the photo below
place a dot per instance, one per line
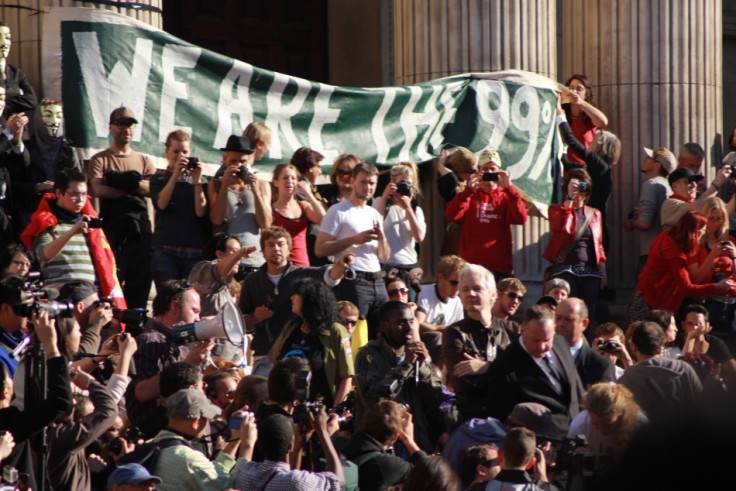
(579, 235)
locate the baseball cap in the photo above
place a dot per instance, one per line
(682, 173)
(663, 156)
(130, 474)
(190, 404)
(533, 416)
(489, 155)
(123, 115)
(76, 291)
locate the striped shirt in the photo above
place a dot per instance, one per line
(73, 263)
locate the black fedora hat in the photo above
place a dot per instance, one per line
(238, 144)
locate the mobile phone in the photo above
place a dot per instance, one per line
(95, 223)
(192, 162)
(490, 176)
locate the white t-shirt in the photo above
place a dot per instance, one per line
(398, 234)
(438, 312)
(344, 219)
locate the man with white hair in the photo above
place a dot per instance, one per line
(471, 344)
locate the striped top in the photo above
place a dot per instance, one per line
(73, 263)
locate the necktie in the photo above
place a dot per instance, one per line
(551, 368)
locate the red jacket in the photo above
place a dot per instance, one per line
(665, 280)
(563, 224)
(102, 256)
(487, 218)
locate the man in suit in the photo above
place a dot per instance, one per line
(537, 367)
(571, 320)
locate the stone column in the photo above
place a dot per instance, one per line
(26, 27)
(438, 38)
(656, 72)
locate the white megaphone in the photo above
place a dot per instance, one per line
(228, 324)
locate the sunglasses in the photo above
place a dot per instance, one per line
(454, 282)
(396, 291)
(514, 296)
(346, 322)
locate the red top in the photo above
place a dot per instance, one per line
(487, 218)
(297, 228)
(563, 224)
(584, 130)
(665, 281)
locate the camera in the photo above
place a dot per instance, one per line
(134, 318)
(403, 188)
(245, 174)
(192, 163)
(105, 300)
(35, 298)
(96, 223)
(490, 176)
(608, 346)
(582, 186)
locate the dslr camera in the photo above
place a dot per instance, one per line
(608, 346)
(403, 188)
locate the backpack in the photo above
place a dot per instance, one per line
(148, 453)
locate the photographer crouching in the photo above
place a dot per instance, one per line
(16, 307)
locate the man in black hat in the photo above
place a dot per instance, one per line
(240, 203)
(684, 184)
(119, 177)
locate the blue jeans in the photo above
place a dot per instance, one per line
(165, 266)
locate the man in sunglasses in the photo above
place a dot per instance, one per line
(511, 293)
(119, 176)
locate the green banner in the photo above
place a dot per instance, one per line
(108, 60)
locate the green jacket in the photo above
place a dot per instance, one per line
(338, 356)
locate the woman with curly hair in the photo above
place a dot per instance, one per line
(610, 419)
(316, 336)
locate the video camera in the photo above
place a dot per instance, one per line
(34, 298)
(133, 318)
(304, 404)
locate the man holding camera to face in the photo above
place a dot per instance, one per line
(66, 235)
(488, 206)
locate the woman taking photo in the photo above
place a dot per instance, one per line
(295, 216)
(403, 219)
(665, 280)
(178, 197)
(316, 336)
(714, 261)
(604, 153)
(576, 245)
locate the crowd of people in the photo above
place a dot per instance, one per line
(356, 373)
